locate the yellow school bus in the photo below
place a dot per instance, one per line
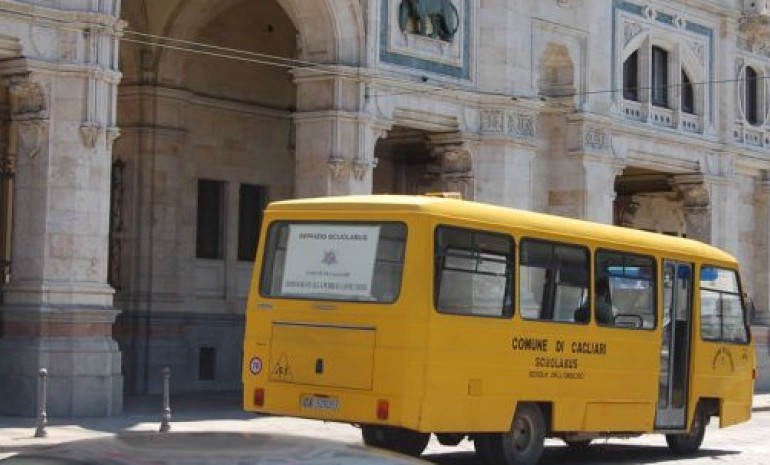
(418, 315)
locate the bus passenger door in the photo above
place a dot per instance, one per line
(675, 346)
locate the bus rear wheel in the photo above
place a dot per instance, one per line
(399, 440)
(689, 443)
(524, 443)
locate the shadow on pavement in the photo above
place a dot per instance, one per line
(596, 454)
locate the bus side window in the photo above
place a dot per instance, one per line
(723, 314)
(624, 290)
(553, 281)
(473, 272)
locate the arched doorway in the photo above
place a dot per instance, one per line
(646, 199)
(415, 161)
(207, 140)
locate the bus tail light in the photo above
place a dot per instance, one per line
(259, 397)
(754, 373)
(383, 408)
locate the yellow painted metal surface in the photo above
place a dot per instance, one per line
(450, 373)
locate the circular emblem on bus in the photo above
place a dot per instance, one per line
(256, 365)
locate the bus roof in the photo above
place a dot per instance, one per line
(494, 214)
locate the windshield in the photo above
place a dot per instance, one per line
(334, 261)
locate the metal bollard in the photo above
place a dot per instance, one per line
(42, 400)
(165, 424)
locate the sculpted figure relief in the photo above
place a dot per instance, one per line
(432, 18)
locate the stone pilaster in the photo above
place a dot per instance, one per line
(57, 307)
(760, 279)
(589, 141)
(334, 139)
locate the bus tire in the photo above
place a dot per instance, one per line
(401, 440)
(689, 443)
(524, 443)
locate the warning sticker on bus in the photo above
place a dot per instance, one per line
(330, 259)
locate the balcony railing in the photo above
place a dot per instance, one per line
(657, 116)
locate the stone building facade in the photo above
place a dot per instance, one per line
(139, 140)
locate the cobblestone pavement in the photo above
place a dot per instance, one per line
(745, 444)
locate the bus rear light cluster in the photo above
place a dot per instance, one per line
(383, 409)
(259, 397)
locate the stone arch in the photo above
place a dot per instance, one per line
(330, 31)
(557, 72)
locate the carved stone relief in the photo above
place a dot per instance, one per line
(30, 137)
(452, 170)
(596, 138)
(698, 49)
(631, 30)
(521, 125)
(89, 133)
(28, 99)
(492, 121)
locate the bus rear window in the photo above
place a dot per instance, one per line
(334, 261)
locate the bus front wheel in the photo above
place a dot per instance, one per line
(524, 443)
(689, 443)
(399, 440)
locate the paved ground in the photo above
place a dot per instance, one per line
(744, 444)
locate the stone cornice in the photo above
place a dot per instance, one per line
(56, 17)
(26, 65)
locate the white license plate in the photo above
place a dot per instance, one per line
(319, 402)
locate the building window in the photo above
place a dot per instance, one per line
(631, 77)
(207, 362)
(751, 97)
(688, 96)
(210, 221)
(659, 87)
(252, 200)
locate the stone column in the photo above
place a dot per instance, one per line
(590, 142)
(760, 277)
(504, 157)
(696, 201)
(334, 139)
(57, 307)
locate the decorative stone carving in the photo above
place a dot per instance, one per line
(89, 132)
(596, 138)
(28, 99)
(31, 136)
(361, 167)
(521, 125)
(492, 121)
(631, 30)
(694, 195)
(698, 49)
(649, 12)
(7, 166)
(337, 167)
(754, 29)
(112, 134)
(452, 170)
